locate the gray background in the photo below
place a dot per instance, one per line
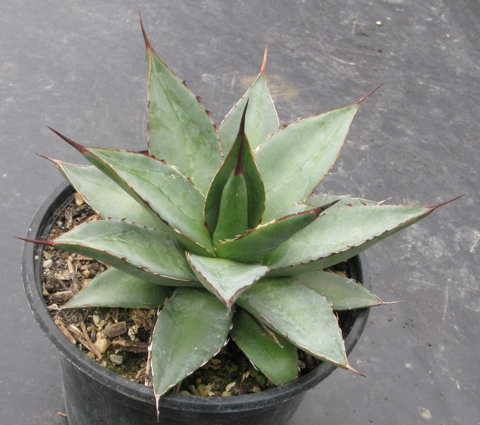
(78, 66)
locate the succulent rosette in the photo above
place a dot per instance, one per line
(219, 229)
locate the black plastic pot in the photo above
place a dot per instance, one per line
(95, 395)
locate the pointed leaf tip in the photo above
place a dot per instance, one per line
(351, 369)
(241, 133)
(148, 46)
(55, 161)
(242, 121)
(47, 243)
(317, 211)
(264, 64)
(364, 98)
(76, 145)
(446, 202)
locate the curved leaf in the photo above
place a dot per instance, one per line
(342, 293)
(262, 119)
(190, 330)
(114, 288)
(294, 160)
(148, 254)
(277, 360)
(225, 279)
(107, 197)
(341, 234)
(179, 128)
(162, 190)
(301, 315)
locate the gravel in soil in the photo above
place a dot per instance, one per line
(118, 338)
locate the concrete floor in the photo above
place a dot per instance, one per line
(79, 66)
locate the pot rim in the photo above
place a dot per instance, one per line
(32, 269)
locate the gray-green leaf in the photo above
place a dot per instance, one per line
(261, 119)
(225, 279)
(276, 359)
(301, 315)
(151, 255)
(180, 130)
(114, 288)
(162, 190)
(190, 330)
(107, 197)
(294, 160)
(341, 292)
(342, 233)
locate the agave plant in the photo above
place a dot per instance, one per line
(219, 229)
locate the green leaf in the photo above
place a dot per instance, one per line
(107, 197)
(341, 234)
(148, 254)
(180, 130)
(293, 161)
(301, 315)
(162, 190)
(233, 216)
(190, 330)
(262, 117)
(240, 157)
(277, 360)
(341, 292)
(114, 288)
(256, 244)
(225, 279)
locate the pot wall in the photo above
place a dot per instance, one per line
(96, 395)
